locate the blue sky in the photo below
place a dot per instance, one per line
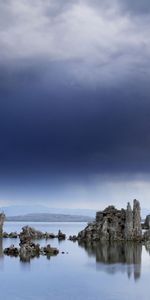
(74, 102)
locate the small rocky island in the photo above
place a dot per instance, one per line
(29, 249)
(113, 224)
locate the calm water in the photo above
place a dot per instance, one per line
(87, 272)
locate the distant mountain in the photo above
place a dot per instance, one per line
(20, 210)
(16, 210)
(47, 217)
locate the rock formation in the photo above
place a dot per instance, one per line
(28, 249)
(137, 228)
(2, 219)
(11, 235)
(29, 233)
(112, 224)
(146, 224)
(129, 223)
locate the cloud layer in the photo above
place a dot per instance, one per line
(103, 41)
(74, 93)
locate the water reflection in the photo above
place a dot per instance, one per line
(1, 247)
(114, 257)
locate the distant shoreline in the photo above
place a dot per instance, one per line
(46, 217)
(46, 221)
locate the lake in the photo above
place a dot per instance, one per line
(84, 272)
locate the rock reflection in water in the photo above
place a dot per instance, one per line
(121, 256)
(1, 247)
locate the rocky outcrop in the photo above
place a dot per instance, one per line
(112, 224)
(73, 238)
(137, 228)
(11, 235)
(61, 236)
(147, 222)
(129, 223)
(2, 219)
(146, 235)
(11, 251)
(29, 233)
(30, 250)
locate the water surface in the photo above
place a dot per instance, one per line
(87, 272)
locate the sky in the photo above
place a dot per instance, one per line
(74, 102)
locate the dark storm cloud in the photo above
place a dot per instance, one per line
(74, 101)
(53, 124)
(74, 85)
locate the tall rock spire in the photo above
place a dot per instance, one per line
(129, 223)
(137, 229)
(2, 218)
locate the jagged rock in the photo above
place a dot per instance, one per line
(61, 236)
(2, 219)
(147, 222)
(49, 235)
(146, 235)
(137, 228)
(73, 238)
(28, 233)
(11, 235)
(112, 224)
(129, 223)
(48, 250)
(5, 235)
(30, 250)
(11, 251)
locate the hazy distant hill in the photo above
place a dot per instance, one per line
(19, 210)
(24, 212)
(47, 217)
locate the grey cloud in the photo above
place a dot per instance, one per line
(136, 7)
(84, 74)
(102, 45)
(74, 98)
